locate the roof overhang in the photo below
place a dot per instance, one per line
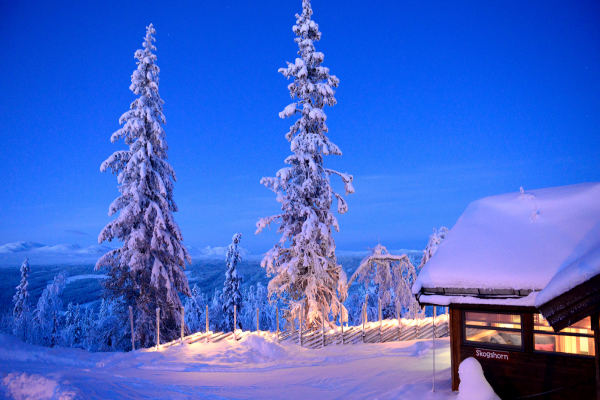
(480, 297)
(574, 305)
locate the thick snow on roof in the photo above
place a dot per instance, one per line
(576, 273)
(518, 240)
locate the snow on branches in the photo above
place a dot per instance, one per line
(306, 272)
(435, 239)
(148, 271)
(393, 275)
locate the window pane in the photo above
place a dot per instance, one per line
(492, 320)
(564, 344)
(583, 327)
(493, 336)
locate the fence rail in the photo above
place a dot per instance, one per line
(389, 330)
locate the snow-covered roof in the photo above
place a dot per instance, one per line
(520, 242)
(579, 271)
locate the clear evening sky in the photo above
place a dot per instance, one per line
(440, 103)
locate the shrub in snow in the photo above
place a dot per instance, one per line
(46, 316)
(105, 334)
(256, 297)
(306, 271)
(148, 271)
(391, 278)
(195, 309)
(435, 239)
(473, 385)
(21, 309)
(231, 295)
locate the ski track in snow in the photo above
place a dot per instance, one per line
(254, 367)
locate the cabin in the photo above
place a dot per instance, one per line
(520, 273)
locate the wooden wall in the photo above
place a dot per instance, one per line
(527, 373)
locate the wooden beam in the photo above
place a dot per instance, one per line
(455, 342)
(596, 328)
(574, 305)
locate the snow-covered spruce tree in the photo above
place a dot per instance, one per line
(435, 239)
(21, 309)
(232, 295)
(21, 297)
(148, 271)
(306, 271)
(46, 317)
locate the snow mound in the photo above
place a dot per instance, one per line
(473, 385)
(36, 387)
(264, 347)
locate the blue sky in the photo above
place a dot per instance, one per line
(440, 103)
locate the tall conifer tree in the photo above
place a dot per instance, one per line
(21, 297)
(306, 271)
(232, 295)
(148, 271)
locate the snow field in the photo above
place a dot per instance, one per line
(254, 367)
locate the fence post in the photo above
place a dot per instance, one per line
(416, 322)
(363, 321)
(398, 315)
(257, 326)
(182, 322)
(277, 318)
(323, 326)
(300, 322)
(206, 338)
(342, 322)
(434, 348)
(132, 334)
(157, 328)
(234, 322)
(380, 321)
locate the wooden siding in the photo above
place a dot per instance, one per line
(527, 373)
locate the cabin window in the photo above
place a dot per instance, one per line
(575, 339)
(493, 329)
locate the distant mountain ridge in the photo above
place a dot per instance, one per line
(21, 247)
(15, 253)
(213, 251)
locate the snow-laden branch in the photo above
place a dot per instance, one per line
(394, 274)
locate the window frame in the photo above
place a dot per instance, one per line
(552, 333)
(487, 345)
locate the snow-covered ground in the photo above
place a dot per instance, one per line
(254, 367)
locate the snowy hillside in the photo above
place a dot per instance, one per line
(254, 367)
(208, 272)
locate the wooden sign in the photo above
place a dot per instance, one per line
(486, 354)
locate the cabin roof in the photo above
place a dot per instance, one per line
(509, 246)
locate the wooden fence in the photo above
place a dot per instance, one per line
(382, 331)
